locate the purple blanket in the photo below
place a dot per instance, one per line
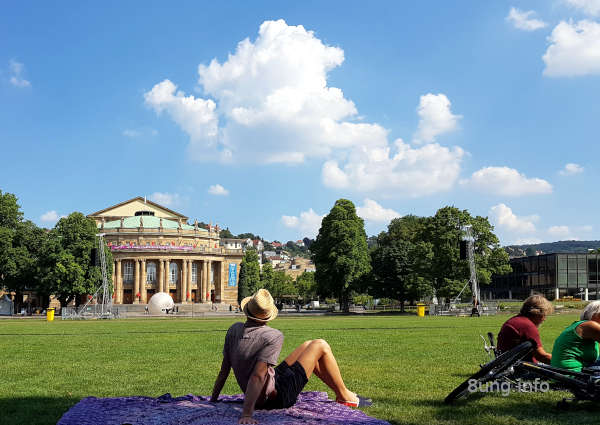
(312, 408)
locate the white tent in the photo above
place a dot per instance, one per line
(6, 306)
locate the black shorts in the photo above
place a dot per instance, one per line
(289, 382)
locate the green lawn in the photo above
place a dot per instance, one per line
(406, 364)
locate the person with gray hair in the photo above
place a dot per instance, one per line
(577, 346)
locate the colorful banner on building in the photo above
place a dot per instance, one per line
(232, 274)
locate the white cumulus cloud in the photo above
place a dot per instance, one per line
(524, 20)
(575, 233)
(169, 200)
(51, 217)
(374, 212)
(16, 74)
(590, 7)
(217, 189)
(504, 218)
(507, 181)
(574, 49)
(270, 102)
(308, 223)
(403, 171)
(571, 169)
(436, 118)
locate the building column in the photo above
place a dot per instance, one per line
(114, 282)
(556, 293)
(204, 281)
(182, 284)
(161, 274)
(188, 285)
(119, 283)
(167, 277)
(586, 295)
(136, 282)
(210, 281)
(143, 293)
(509, 294)
(221, 293)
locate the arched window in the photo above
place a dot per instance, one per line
(150, 272)
(173, 273)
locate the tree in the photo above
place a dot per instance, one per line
(399, 270)
(307, 242)
(340, 252)
(283, 284)
(65, 264)
(249, 275)
(449, 272)
(20, 244)
(266, 277)
(307, 287)
(225, 233)
(247, 236)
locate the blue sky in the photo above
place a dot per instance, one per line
(259, 115)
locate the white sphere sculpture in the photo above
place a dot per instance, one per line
(160, 303)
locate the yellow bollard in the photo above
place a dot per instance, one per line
(50, 314)
(420, 310)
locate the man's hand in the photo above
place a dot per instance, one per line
(247, 420)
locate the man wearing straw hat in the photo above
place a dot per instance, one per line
(252, 349)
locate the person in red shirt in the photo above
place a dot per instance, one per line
(524, 327)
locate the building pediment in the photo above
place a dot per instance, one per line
(131, 207)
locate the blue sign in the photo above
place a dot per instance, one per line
(232, 274)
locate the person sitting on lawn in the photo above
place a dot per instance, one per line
(577, 346)
(251, 349)
(524, 327)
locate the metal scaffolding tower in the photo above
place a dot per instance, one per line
(100, 305)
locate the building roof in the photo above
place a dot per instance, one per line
(149, 222)
(106, 211)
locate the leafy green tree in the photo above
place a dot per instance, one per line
(65, 264)
(340, 252)
(449, 272)
(20, 244)
(266, 277)
(399, 270)
(248, 236)
(249, 275)
(283, 285)
(225, 233)
(307, 287)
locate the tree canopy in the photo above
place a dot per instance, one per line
(249, 275)
(66, 267)
(340, 252)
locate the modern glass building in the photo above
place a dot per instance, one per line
(553, 275)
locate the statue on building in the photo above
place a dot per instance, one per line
(141, 221)
(122, 220)
(196, 224)
(102, 223)
(160, 223)
(179, 222)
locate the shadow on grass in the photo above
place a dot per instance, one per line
(34, 410)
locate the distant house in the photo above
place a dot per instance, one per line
(232, 243)
(276, 244)
(269, 254)
(258, 244)
(300, 242)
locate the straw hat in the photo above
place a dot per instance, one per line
(259, 307)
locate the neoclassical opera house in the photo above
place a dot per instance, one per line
(155, 250)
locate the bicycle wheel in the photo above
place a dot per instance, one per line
(491, 370)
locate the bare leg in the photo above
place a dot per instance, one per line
(316, 356)
(323, 376)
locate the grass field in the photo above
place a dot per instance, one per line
(406, 364)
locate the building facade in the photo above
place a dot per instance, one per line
(155, 250)
(553, 275)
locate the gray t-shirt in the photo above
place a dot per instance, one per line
(248, 343)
